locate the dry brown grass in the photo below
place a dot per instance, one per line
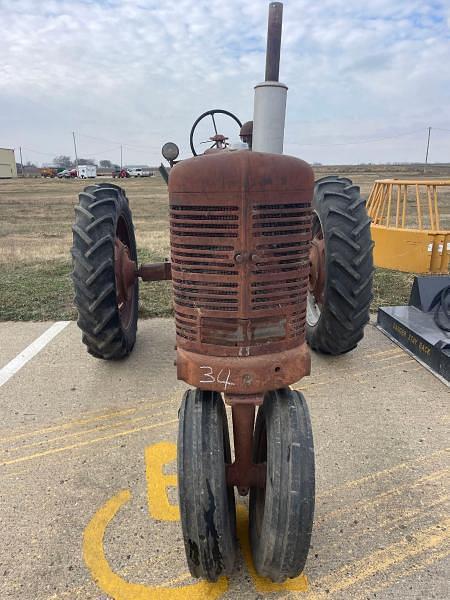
(36, 214)
(35, 238)
(36, 217)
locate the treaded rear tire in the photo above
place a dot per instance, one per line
(342, 215)
(100, 209)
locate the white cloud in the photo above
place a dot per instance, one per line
(140, 71)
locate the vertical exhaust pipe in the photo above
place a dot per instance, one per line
(274, 27)
(269, 111)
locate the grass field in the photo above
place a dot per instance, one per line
(35, 238)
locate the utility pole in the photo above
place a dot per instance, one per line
(75, 148)
(121, 165)
(428, 148)
(21, 160)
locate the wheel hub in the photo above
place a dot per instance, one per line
(317, 268)
(125, 271)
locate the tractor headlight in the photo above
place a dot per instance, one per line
(170, 151)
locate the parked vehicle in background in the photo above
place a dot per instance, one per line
(121, 173)
(48, 172)
(139, 172)
(87, 171)
(66, 174)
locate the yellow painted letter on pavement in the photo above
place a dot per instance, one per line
(156, 456)
(120, 589)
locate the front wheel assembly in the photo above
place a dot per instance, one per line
(281, 503)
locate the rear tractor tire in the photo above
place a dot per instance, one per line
(107, 309)
(340, 289)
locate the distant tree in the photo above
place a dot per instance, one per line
(63, 161)
(29, 164)
(106, 164)
(86, 161)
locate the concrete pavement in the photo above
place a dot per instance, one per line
(88, 498)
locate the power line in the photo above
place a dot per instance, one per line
(97, 152)
(98, 139)
(105, 151)
(133, 146)
(38, 151)
(121, 145)
(54, 154)
(368, 141)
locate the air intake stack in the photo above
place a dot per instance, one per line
(270, 95)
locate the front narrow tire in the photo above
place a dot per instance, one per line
(207, 505)
(281, 514)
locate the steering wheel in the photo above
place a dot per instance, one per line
(218, 139)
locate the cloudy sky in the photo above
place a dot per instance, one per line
(365, 79)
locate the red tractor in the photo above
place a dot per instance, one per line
(263, 261)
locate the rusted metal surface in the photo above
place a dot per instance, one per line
(243, 473)
(240, 226)
(243, 375)
(155, 271)
(125, 272)
(274, 41)
(220, 141)
(317, 270)
(255, 399)
(246, 129)
(246, 133)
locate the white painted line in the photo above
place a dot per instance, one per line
(21, 359)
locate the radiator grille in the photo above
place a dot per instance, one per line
(279, 274)
(186, 325)
(204, 221)
(206, 279)
(204, 273)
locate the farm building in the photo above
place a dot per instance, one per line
(7, 163)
